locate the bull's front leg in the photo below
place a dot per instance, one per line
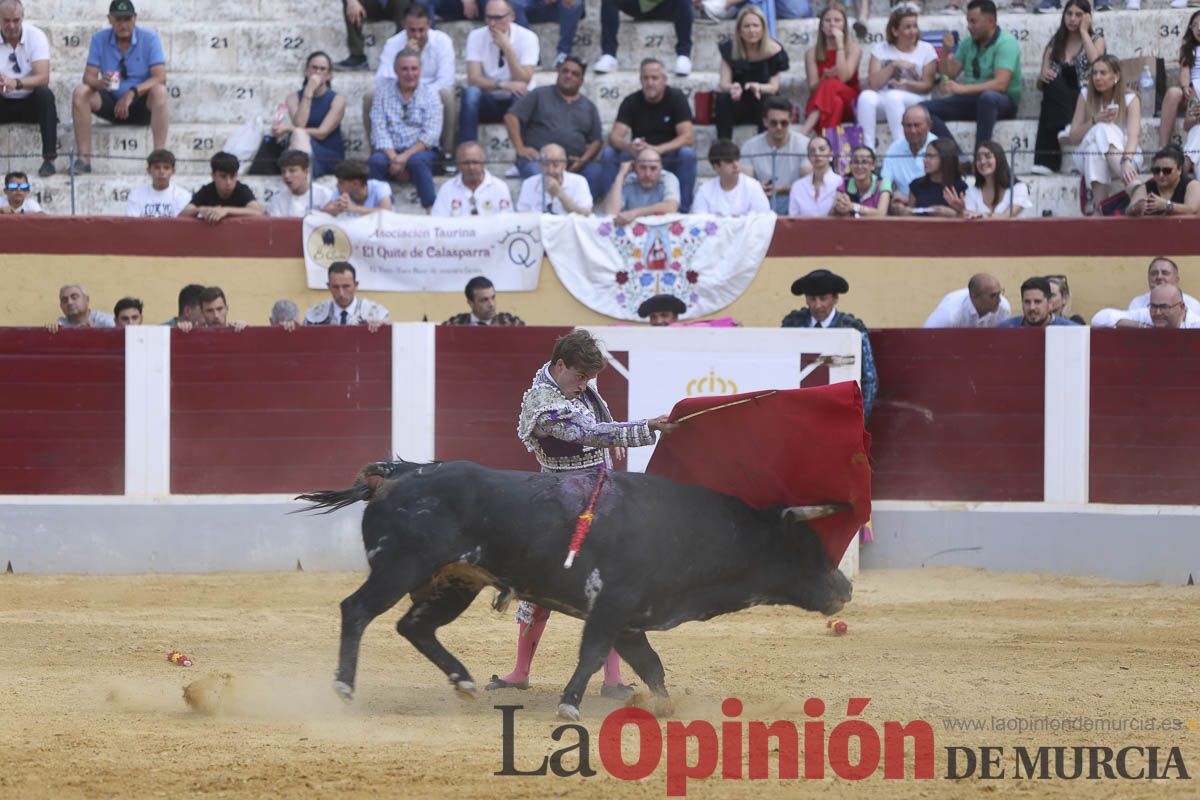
(599, 633)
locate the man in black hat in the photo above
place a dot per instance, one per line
(821, 289)
(124, 82)
(662, 309)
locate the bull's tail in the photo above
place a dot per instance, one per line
(368, 480)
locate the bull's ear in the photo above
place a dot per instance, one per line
(806, 513)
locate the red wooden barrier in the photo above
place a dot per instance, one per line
(269, 411)
(62, 411)
(481, 375)
(1145, 419)
(958, 415)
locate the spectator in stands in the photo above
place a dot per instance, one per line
(751, 62)
(814, 194)
(779, 157)
(562, 115)
(473, 191)
(662, 310)
(344, 307)
(130, 59)
(356, 13)
(991, 196)
(566, 13)
(501, 59)
(831, 67)
(16, 192)
(299, 195)
(904, 160)
(1035, 307)
(481, 297)
(1183, 96)
(25, 94)
(650, 190)
(160, 197)
(1060, 299)
(1169, 192)
(900, 74)
(437, 69)
(188, 309)
(940, 186)
(555, 190)
(862, 193)
(981, 304)
(982, 78)
(720, 10)
(406, 127)
(677, 11)
(1105, 130)
(357, 194)
(1166, 308)
(313, 123)
(128, 311)
(226, 196)
(285, 314)
(731, 193)
(77, 311)
(1163, 270)
(657, 116)
(215, 309)
(821, 289)
(1066, 65)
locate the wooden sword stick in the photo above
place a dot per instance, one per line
(726, 405)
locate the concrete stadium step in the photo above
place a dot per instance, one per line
(269, 47)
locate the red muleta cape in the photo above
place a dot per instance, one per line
(794, 447)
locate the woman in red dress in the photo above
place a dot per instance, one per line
(832, 80)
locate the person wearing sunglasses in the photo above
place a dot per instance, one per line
(1168, 193)
(131, 59)
(25, 94)
(16, 190)
(502, 57)
(981, 81)
(777, 157)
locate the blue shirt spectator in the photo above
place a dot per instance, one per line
(901, 166)
(145, 51)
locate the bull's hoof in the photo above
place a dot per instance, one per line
(568, 711)
(465, 689)
(344, 690)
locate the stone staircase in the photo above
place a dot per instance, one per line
(240, 68)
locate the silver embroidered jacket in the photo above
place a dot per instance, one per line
(573, 434)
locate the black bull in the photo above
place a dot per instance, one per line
(659, 553)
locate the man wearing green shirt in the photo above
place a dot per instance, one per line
(982, 80)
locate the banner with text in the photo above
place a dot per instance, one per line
(705, 261)
(405, 253)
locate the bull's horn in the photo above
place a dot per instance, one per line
(807, 513)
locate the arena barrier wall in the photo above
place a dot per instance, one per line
(897, 269)
(274, 412)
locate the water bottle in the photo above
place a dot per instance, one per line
(1146, 91)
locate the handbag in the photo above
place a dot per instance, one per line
(1116, 205)
(265, 158)
(705, 105)
(843, 139)
(1131, 73)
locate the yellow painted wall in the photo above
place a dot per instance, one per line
(884, 292)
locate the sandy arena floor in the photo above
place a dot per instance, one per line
(90, 707)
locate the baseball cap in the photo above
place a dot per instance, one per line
(121, 8)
